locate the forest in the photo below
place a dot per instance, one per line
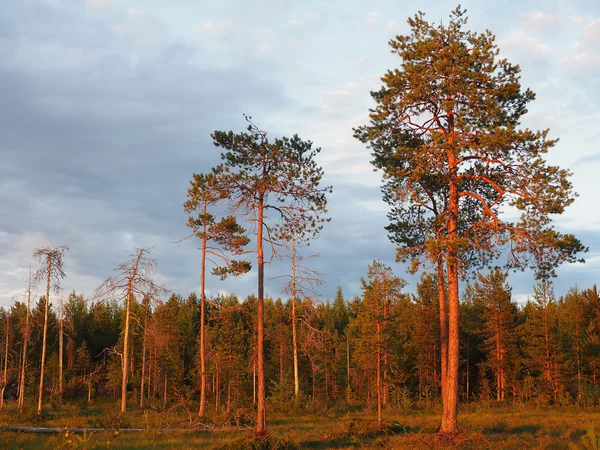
(471, 197)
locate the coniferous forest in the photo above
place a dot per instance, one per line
(445, 134)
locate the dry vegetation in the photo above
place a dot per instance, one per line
(481, 428)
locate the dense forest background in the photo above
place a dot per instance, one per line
(545, 351)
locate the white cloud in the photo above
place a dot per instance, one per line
(520, 47)
(542, 21)
(98, 3)
(216, 28)
(582, 64)
(264, 47)
(143, 32)
(373, 22)
(591, 33)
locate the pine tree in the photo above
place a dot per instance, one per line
(499, 317)
(219, 240)
(446, 134)
(279, 176)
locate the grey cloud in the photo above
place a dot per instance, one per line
(94, 152)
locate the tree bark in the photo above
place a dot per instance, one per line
(202, 410)
(44, 336)
(378, 368)
(443, 326)
(261, 421)
(61, 335)
(143, 377)
(4, 375)
(294, 322)
(449, 424)
(347, 367)
(125, 353)
(21, 400)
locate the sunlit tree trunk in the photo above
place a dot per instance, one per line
(261, 421)
(294, 322)
(21, 399)
(125, 352)
(449, 424)
(347, 366)
(45, 333)
(4, 374)
(378, 367)
(443, 326)
(143, 377)
(201, 411)
(61, 335)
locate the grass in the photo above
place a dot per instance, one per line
(178, 428)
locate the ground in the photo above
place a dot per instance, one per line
(505, 427)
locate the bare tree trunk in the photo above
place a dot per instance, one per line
(347, 366)
(125, 353)
(280, 358)
(4, 375)
(294, 322)
(579, 392)
(44, 336)
(201, 412)
(61, 334)
(21, 400)
(228, 388)
(261, 421)
(165, 390)
(217, 386)
(378, 366)
(468, 369)
(384, 354)
(254, 380)
(314, 375)
(143, 377)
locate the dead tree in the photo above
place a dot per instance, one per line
(301, 284)
(52, 272)
(133, 278)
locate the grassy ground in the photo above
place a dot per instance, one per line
(481, 428)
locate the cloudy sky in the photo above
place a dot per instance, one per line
(107, 108)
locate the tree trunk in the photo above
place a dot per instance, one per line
(378, 367)
(61, 335)
(4, 375)
(449, 424)
(443, 326)
(254, 379)
(579, 392)
(261, 421)
(202, 411)
(44, 337)
(21, 400)
(294, 323)
(347, 366)
(143, 377)
(165, 390)
(125, 352)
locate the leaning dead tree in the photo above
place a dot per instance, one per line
(52, 272)
(133, 278)
(301, 284)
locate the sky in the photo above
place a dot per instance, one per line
(106, 110)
